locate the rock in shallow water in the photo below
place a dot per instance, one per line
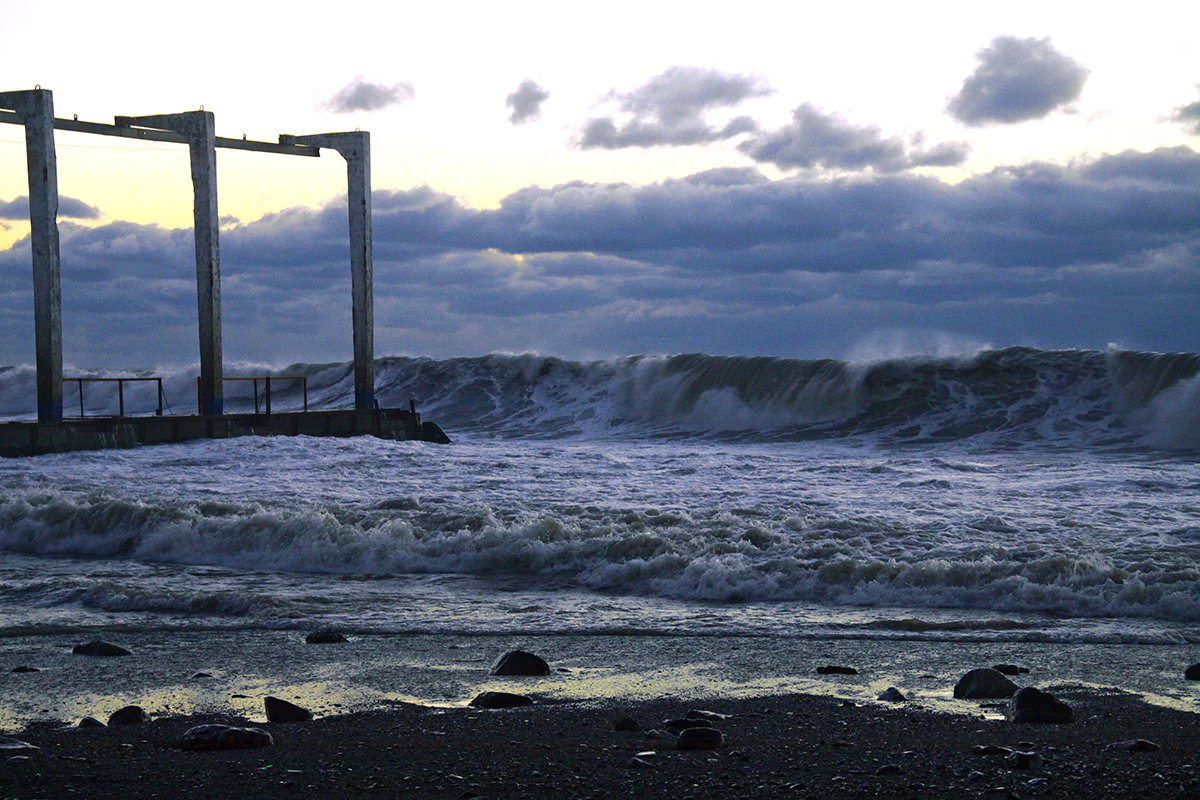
(833, 669)
(283, 711)
(224, 737)
(1192, 673)
(983, 684)
(519, 662)
(21, 670)
(98, 648)
(893, 695)
(325, 637)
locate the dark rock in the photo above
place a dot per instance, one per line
(677, 726)
(99, 648)
(129, 715)
(283, 711)
(699, 739)
(91, 722)
(1033, 705)
(983, 684)
(893, 695)
(1021, 759)
(1009, 669)
(889, 769)
(992, 750)
(501, 700)
(431, 432)
(626, 724)
(200, 675)
(830, 669)
(325, 637)
(518, 662)
(1136, 746)
(1192, 673)
(224, 737)
(23, 669)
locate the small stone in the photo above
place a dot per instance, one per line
(283, 711)
(200, 675)
(1034, 705)
(644, 759)
(98, 648)
(983, 684)
(699, 739)
(519, 662)
(224, 737)
(626, 724)
(1021, 759)
(889, 769)
(1192, 673)
(91, 722)
(11, 744)
(501, 700)
(833, 669)
(711, 716)
(677, 725)
(325, 637)
(128, 715)
(23, 669)
(1136, 746)
(893, 695)
(991, 750)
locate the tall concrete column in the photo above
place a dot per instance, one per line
(355, 147)
(35, 107)
(199, 127)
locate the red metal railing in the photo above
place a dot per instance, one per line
(120, 382)
(267, 379)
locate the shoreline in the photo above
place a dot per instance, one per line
(791, 745)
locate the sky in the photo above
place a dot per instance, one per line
(800, 180)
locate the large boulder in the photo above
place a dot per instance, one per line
(699, 739)
(224, 737)
(1192, 673)
(519, 662)
(283, 711)
(1033, 705)
(984, 684)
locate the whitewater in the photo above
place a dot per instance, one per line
(1019, 503)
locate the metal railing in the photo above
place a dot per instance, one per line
(266, 397)
(120, 382)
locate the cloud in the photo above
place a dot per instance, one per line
(1017, 80)
(526, 102)
(724, 261)
(362, 95)
(1189, 116)
(671, 109)
(68, 207)
(819, 140)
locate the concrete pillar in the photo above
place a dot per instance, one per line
(355, 147)
(199, 128)
(35, 107)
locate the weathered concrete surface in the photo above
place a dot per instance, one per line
(101, 433)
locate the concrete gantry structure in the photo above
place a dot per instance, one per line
(34, 109)
(200, 130)
(355, 147)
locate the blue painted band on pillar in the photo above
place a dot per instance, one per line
(50, 413)
(214, 407)
(364, 401)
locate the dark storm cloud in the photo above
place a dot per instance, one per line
(1017, 80)
(671, 109)
(722, 261)
(1189, 116)
(526, 102)
(362, 95)
(819, 140)
(69, 207)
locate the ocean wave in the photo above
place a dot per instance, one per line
(1003, 398)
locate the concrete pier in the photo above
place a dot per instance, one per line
(101, 433)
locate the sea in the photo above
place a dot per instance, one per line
(692, 524)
